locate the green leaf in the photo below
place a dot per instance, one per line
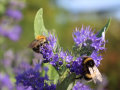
(39, 28)
(52, 73)
(66, 82)
(70, 86)
(104, 28)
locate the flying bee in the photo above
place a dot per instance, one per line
(39, 41)
(90, 71)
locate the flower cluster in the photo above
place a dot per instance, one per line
(32, 78)
(9, 26)
(7, 84)
(11, 60)
(47, 50)
(51, 53)
(88, 41)
(86, 44)
(76, 66)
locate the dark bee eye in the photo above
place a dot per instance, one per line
(90, 63)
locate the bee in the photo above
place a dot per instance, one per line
(39, 41)
(90, 71)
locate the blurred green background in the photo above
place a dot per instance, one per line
(64, 22)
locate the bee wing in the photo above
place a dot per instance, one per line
(96, 76)
(33, 44)
(92, 74)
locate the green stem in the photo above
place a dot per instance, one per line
(66, 82)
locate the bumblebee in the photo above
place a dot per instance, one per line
(39, 41)
(90, 71)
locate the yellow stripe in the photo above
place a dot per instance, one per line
(88, 75)
(87, 59)
(39, 37)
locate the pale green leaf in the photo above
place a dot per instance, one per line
(52, 73)
(39, 28)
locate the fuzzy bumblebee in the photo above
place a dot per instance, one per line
(90, 71)
(39, 41)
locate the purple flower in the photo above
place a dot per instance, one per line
(60, 62)
(69, 58)
(15, 61)
(8, 58)
(47, 52)
(31, 78)
(51, 53)
(52, 40)
(76, 66)
(5, 82)
(14, 13)
(86, 41)
(23, 66)
(21, 87)
(12, 32)
(96, 57)
(81, 36)
(80, 86)
(62, 54)
(55, 59)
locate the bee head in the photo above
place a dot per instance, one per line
(90, 63)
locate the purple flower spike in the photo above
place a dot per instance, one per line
(96, 57)
(5, 82)
(14, 13)
(14, 33)
(21, 87)
(69, 58)
(60, 62)
(47, 52)
(76, 66)
(55, 60)
(32, 80)
(62, 54)
(23, 66)
(8, 58)
(52, 40)
(86, 41)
